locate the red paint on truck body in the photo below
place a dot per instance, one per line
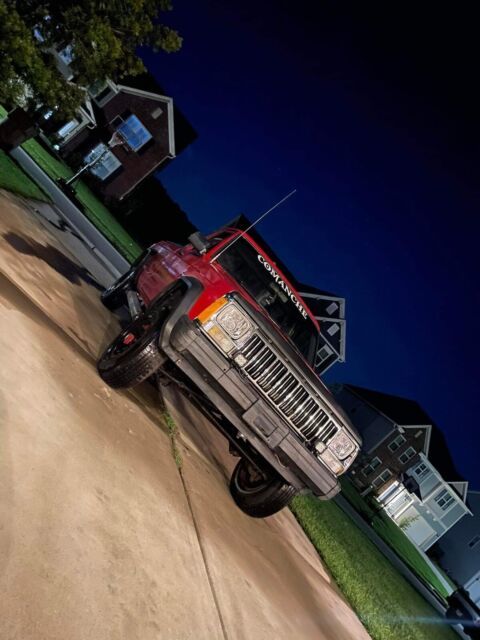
(170, 262)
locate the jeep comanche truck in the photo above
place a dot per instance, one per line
(220, 316)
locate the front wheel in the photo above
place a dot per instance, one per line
(259, 494)
(134, 355)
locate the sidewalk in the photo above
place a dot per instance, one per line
(98, 233)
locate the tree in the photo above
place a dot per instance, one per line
(102, 36)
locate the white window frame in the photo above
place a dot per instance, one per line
(107, 84)
(107, 153)
(395, 445)
(69, 127)
(425, 471)
(405, 453)
(328, 351)
(450, 500)
(382, 480)
(125, 121)
(372, 468)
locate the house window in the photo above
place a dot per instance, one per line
(371, 466)
(383, 477)
(396, 443)
(68, 128)
(422, 470)
(407, 455)
(324, 353)
(444, 499)
(135, 134)
(107, 162)
(102, 91)
(156, 113)
(474, 541)
(66, 54)
(332, 307)
(97, 87)
(333, 330)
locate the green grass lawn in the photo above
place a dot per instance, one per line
(424, 568)
(396, 538)
(97, 213)
(385, 602)
(15, 180)
(361, 505)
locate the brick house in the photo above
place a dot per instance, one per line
(143, 119)
(393, 435)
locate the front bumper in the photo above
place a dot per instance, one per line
(186, 346)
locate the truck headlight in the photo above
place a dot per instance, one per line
(341, 445)
(219, 336)
(234, 322)
(207, 318)
(331, 461)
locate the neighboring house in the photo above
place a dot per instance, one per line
(458, 552)
(143, 119)
(135, 111)
(328, 308)
(405, 462)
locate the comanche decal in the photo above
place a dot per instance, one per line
(283, 285)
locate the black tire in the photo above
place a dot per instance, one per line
(134, 355)
(114, 296)
(259, 495)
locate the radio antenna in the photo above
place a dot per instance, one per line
(289, 195)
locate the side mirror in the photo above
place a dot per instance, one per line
(199, 242)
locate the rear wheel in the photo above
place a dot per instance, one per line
(134, 355)
(259, 494)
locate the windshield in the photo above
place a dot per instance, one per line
(261, 280)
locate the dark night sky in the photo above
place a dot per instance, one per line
(372, 114)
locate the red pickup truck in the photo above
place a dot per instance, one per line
(220, 316)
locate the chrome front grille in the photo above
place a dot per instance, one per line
(284, 390)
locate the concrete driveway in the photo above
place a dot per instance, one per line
(101, 535)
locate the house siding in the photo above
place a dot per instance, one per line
(329, 312)
(377, 432)
(86, 135)
(429, 521)
(390, 460)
